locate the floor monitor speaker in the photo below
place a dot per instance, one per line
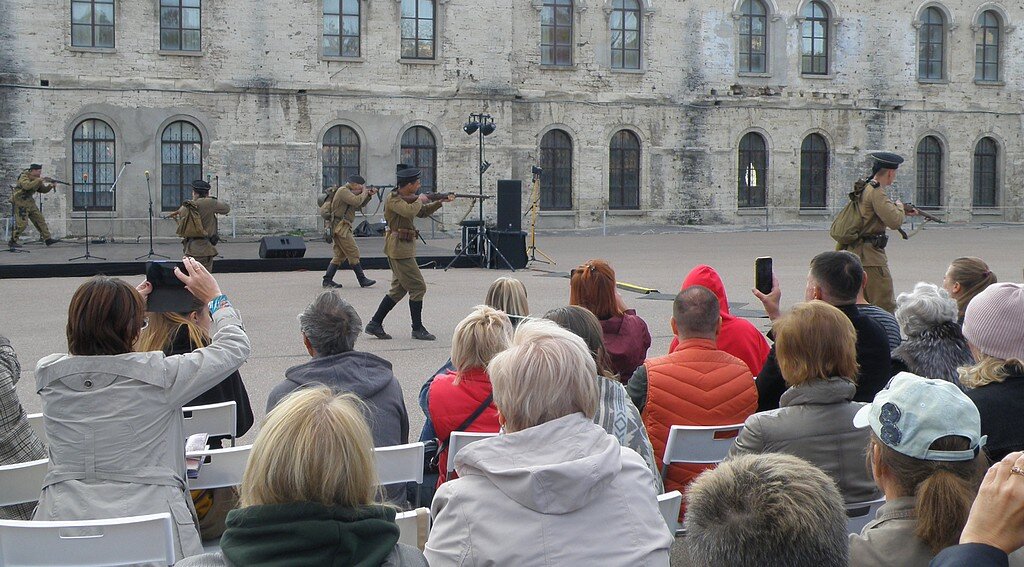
(512, 245)
(282, 247)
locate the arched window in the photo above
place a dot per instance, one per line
(929, 172)
(341, 28)
(986, 176)
(813, 172)
(418, 29)
(624, 171)
(181, 163)
(340, 155)
(556, 32)
(986, 58)
(93, 166)
(753, 37)
(624, 24)
(932, 39)
(420, 150)
(556, 180)
(814, 39)
(753, 171)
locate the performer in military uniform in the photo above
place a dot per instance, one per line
(879, 212)
(30, 182)
(347, 199)
(203, 249)
(400, 248)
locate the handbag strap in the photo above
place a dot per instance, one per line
(468, 421)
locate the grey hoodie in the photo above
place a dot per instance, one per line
(560, 493)
(363, 374)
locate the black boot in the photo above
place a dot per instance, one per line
(363, 280)
(418, 330)
(329, 277)
(12, 244)
(376, 325)
(52, 241)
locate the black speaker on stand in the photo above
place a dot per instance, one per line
(510, 204)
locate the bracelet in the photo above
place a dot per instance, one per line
(217, 302)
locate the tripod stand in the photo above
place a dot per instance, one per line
(87, 255)
(532, 249)
(151, 252)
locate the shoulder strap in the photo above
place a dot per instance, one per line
(468, 421)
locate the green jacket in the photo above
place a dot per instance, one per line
(27, 187)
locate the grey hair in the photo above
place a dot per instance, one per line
(766, 509)
(927, 306)
(331, 324)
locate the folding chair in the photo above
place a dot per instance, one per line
(35, 421)
(414, 527)
(707, 445)
(22, 482)
(400, 463)
(859, 514)
(458, 441)
(214, 419)
(221, 467)
(669, 504)
(117, 541)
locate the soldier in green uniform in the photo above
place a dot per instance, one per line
(203, 249)
(30, 182)
(345, 201)
(400, 248)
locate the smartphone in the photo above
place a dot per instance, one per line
(763, 274)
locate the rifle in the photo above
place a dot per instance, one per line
(58, 181)
(910, 208)
(438, 196)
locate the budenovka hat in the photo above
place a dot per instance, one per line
(994, 321)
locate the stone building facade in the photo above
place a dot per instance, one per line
(640, 111)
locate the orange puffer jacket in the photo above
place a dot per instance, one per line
(695, 385)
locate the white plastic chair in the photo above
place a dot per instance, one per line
(859, 514)
(704, 445)
(400, 463)
(22, 482)
(214, 419)
(117, 541)
(458, 441)
(414, 527)
(669, 504)
(221, 467)
(35, 421)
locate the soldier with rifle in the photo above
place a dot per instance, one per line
(29, 183)
(201, 211)
(341, 205)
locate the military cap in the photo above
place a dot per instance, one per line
(887, 160)
(401, 166)
(354, 178)
(408, 175)
(201, 186)
(34, 166)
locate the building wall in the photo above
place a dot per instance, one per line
(263, 97)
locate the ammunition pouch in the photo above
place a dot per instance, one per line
(879, 241)
(405, 234)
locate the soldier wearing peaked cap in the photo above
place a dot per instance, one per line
(29, 183)
(344, 201)
(202, 248)
(879, 212)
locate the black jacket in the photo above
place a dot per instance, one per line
(1001, 404)
(872, 356)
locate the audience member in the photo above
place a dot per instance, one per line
(113, 416)
(18, 442)
(626, 337)
(880, 316)
(935, 346)
(697, 384)
(308, 492)
(835, 278)
(738, 336)
(815, 344)
(995, 526)
(462, 399)
(759, 510)
(965, 278)
(994, 328)
(555, 489)
(925, 456)
(615, 411)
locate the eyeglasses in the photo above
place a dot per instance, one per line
(889, 416)
(585, 268)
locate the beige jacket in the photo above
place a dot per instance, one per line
(401, 215)
(345, 203)
(879, 213)
(209, 208)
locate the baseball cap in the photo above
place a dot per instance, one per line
(911, 412)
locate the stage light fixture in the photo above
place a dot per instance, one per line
(471, 127)
(488, 128)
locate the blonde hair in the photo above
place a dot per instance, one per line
(314, 447)
(508, 295)
(547, 373)
(482, 334)
(989, 369)
(161, 328)
(974, 277)
(815, 341)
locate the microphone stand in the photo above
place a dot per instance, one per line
(87, 255)
(151, 253)
(113, 189)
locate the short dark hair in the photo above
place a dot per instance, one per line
(696, 311)
(839, 273)
(105, 317)
(330, 323)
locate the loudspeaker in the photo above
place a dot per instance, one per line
(512, 245)
(510, 204)
(282, 247)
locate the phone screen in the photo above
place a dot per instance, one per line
(763, 274)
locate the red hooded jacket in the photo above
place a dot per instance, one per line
(737, 337)
(450, 404)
